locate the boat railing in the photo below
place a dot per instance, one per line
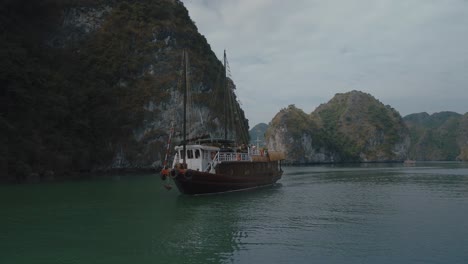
(257, 152)
(232, 156)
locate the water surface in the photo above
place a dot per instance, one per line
(371, 213)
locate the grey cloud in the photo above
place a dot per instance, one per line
(396, 50)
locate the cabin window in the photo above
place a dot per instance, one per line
(189, 154)
(197, 153)
(182, 155)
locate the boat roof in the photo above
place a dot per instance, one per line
(208, 140)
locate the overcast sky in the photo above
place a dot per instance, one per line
(410, 54)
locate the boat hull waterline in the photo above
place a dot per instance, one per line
(233, 176)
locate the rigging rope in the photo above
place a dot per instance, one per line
(168, 148)
(236, 114)
(235, 118)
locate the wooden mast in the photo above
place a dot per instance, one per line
(184, 140)
(225, 98)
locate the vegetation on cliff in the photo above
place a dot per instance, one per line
(440, 136)
(81, 79)
(351, 127)
(292, 131)
(462, 138)
(362, 127)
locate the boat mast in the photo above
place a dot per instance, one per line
(184, 140)
(225, 98)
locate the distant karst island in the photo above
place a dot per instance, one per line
(356, 127)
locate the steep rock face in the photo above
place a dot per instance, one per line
(351, 127)
(78, 22)
(462, 138)
(96, 84)
(440, 136)
(293, 132)
(373, 131)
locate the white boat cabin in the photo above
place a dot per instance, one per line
(205, 158)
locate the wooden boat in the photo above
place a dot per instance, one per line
(206, 165)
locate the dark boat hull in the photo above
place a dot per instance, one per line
(229, 176)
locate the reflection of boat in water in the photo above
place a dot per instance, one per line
(207, 165)
(211, 228)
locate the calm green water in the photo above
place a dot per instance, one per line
(321, 214)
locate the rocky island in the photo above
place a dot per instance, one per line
(356, 127)
(351, 127)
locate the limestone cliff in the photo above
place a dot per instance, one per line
(352, 126)
(441, 136)
(462, 138)
(293, 132)
(95, 84)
